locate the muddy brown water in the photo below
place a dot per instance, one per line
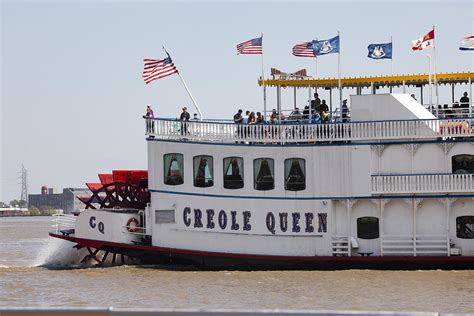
(38, 271)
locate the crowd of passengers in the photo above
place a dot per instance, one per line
(457, 110)
(317, 113)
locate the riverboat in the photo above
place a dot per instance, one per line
(393, 187)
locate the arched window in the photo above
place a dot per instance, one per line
(295, 174)
(463, 163)
(173, 169)
(263, 174)
(368, 227)
(203, 171)
(233, 172)
(465, 227)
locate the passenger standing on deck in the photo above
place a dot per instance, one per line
(274, 117)
(238, 118)
(464, 101)
(316, 103)
(323, 108)
(344, 111)
(261, 132)
(245, 121)
(149, 122)
(184, 117)
(252, 119)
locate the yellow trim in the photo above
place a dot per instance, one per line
(410, 80)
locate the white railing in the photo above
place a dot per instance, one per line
(63, 222)
(454, 110)
(422, 245)
(292, 132)
(422, 183)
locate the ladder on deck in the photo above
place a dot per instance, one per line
(340, 246)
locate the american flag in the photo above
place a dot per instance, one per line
(253, 46)
(156, 69)
(304, 49)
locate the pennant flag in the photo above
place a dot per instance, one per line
(326, 46)
(380, 51)
(156, 69)
(467, 43)
(424, 42)
(253, 46)
(304, 49)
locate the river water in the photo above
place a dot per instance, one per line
(38, 271)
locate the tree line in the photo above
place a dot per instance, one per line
(44, 210)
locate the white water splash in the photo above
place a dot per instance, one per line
(58, 252)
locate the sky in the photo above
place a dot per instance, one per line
(72, 97)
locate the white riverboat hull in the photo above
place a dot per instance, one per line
(379, 194)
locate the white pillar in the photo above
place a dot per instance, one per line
(448, 211)
(279, 102)
(382, 208)
(294, 97)
(348, 208)
(470, 97)
(415, 206)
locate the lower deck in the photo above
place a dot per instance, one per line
(227, 233)
(373, 227)
(218, 261)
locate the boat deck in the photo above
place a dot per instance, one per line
(297, 132)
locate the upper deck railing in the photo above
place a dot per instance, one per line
(297, 132)
(422, 183)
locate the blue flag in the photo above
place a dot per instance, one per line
(380, 51)
(326, 46)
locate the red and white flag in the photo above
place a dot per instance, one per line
(155, 69)
(423, 42)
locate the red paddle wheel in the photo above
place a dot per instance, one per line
(122, 189)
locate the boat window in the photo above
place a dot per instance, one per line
(465, 227)
(233, 173)
(295, 179)
(367, 227)
(203, 171)
(263, 174)
(463, 163)
(173, 169)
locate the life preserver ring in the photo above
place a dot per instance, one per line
(132, 228)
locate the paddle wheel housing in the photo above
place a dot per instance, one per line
(127, 189)
(123, 192)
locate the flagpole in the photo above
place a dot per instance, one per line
(187, 89)
(434, 67)
(264, 88)
(391, 61)
(429, 83)
(317, 74)
(339, 72)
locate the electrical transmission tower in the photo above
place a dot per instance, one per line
(24, 184)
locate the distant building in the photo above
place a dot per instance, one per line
(13, 211)
(67, 200)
